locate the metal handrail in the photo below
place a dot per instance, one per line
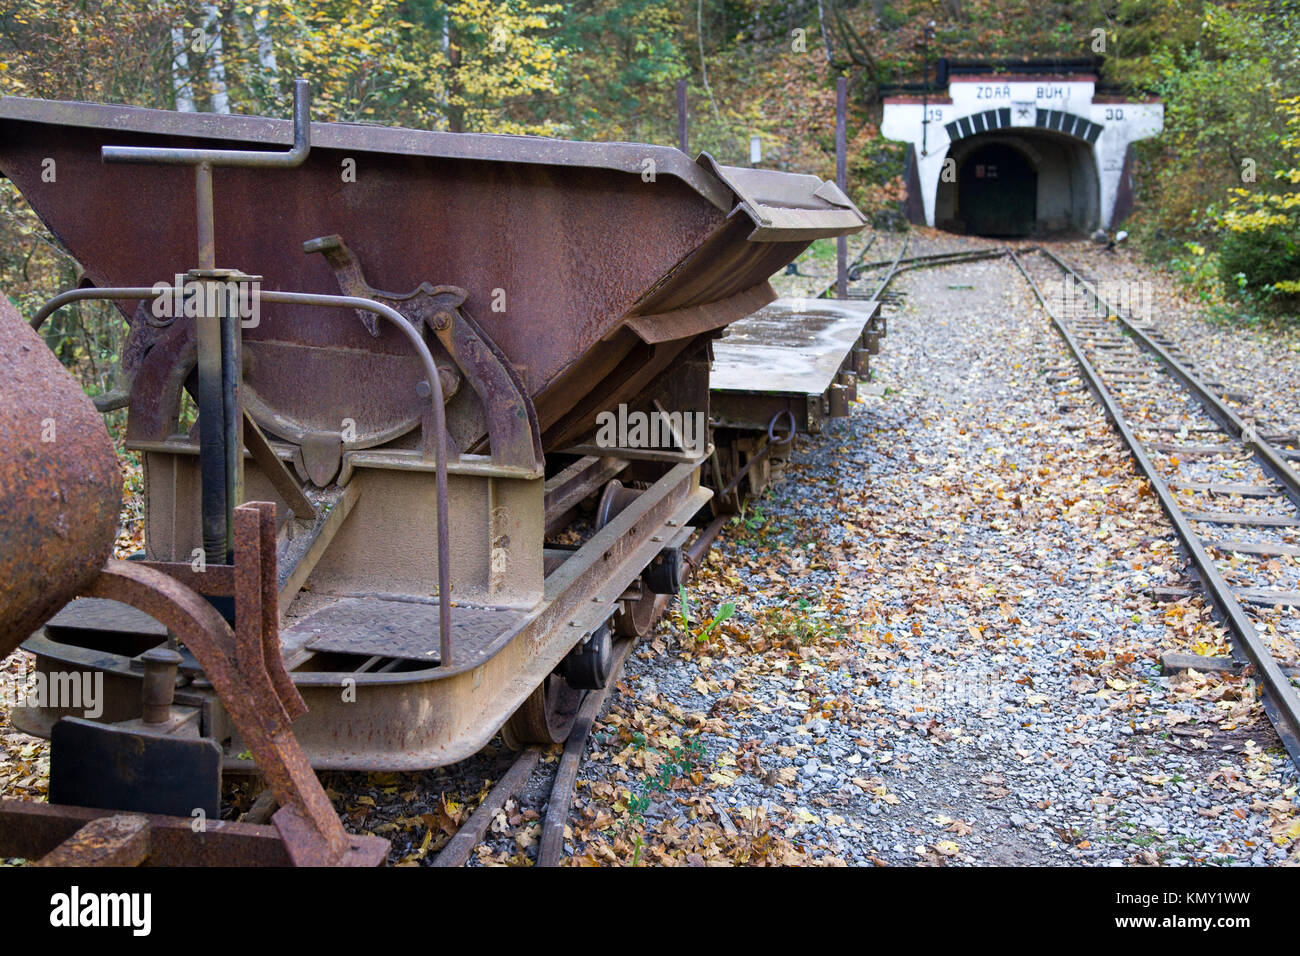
(435, 393)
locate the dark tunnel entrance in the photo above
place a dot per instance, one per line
(1018, 182)
(998, 191)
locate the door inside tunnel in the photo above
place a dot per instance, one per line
(1035, 182)
(997, 191)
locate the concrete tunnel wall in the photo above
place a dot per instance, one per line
(1068, 189)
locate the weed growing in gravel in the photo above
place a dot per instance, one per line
(682, 763)
(756, 526)
(704, 630)
(679, 765)
(798, 623)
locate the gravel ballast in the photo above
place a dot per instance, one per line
(943, 649)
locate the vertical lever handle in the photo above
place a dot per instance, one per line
(217, 336)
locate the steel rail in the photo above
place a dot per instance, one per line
(1285, 710)
(944, 259)
(461, 846)
(893, 268)
(901, 263)
(938, 258)
(825, 293)
(1267, 456)
(550, 848)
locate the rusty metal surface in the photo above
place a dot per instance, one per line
(373, 626)
(788, 206)
(791, 346)
(368, 138)
(394, 722)
(437, 715)
(95, 616)
(781, 430)
(247, 672)
(751, 411)
(434, 438)
(512, 428)
(32, 830)
(566, 240)
(120, 840)
(60, 488)
(588, 286)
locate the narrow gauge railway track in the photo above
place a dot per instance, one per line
(857, 269)
(1210, 468)
(550, 849)
(901, 262)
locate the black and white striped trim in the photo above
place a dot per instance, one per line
(990, 120)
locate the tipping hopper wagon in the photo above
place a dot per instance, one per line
(401, 344)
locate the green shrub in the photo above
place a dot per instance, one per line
(1254, 261)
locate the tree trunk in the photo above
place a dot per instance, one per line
(455, 110)
(826, 37)
(212, 57)
(266, 61)
(182, 88)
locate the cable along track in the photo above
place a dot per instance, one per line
(1227, 490)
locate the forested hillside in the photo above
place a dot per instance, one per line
(1218, 193)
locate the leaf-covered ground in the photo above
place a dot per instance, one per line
(943, 649)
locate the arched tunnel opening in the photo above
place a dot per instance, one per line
(1028, 182)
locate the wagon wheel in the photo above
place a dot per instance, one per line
(639, 616)
(545, 717)
(726, 465)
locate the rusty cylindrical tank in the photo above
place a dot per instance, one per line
(60, 488)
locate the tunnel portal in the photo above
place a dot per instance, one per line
(1012, 151)
(997, 191)
(1019, 183)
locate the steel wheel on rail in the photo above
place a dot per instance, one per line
(638, 615)
(546, 716)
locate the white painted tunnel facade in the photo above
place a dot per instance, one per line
(1073, 144)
